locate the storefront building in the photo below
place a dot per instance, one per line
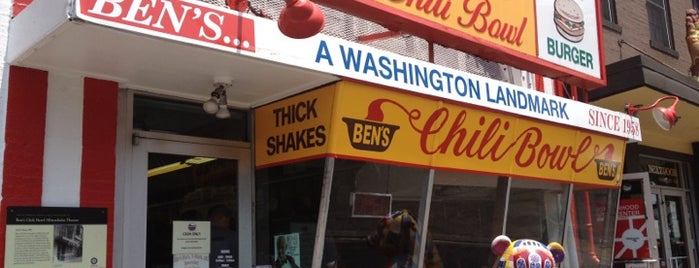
(317, 151)
(658, 189)
(648, 60)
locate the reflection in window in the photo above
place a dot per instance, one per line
(537, 210)
(187, 118)
(370, 240)
(375, 212)
(662, 172)
(590, 230)
(188, 193)
(287, 202)
(465, 217)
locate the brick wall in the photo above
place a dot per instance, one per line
(632, 17)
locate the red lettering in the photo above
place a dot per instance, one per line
(631, 127)
(605, 152)
(529, 147)
(603, 120)
(476, 13)
(479, 19)
(482, 147)
(493, 140)
(527, 151)
(555, 156)
(436, 8)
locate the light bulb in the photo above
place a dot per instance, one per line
(223, 112)
(211, 106)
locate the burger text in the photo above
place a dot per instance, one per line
(566, 52)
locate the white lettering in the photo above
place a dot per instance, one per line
(99, 7)
(134, 10)
(170, 9)
(211, 25)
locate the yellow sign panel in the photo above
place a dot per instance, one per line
(394, 127)
(510, 23)
(295, 128)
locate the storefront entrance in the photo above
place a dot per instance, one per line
(187, 179)
(662, 240)
(669, 212)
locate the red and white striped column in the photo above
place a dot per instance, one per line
(60, 143)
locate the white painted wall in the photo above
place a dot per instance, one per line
(63, 142)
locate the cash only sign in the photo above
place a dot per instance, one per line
(355, 121)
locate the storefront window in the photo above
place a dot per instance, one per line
(465, 216)
(469, 210)
(287, 202)
(196, 190)
(537, 210)
(590, 240)
(375, 212)
(662, 172)
(359, 233)
(187, 118)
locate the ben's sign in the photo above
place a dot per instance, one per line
(191, 21)
(354, 121)
(556, 38)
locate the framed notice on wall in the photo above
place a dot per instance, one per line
(56, 237)
(370, 205)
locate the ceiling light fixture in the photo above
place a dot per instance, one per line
(218, 103)
(666, 117)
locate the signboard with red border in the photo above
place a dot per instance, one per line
(631, 239)
(559, 39)
(357, 121)
(198, 23)
(189, 21)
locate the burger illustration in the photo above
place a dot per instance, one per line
(568, 17)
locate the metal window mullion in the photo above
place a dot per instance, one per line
(323, 212)
(424, 212)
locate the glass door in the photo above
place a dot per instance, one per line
(670, 214)
(184, 182)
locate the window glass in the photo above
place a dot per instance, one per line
(589, 236)
(537, 210)
(360, 232)
(193, 190)
(660, 31)
(187, 118)
(465, 216)
(287, 202)
(608, 10)
(662, 172)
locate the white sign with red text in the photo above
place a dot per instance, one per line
(202, 24)
(189, 21)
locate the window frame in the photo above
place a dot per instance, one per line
(666, 46)
(611, 23)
